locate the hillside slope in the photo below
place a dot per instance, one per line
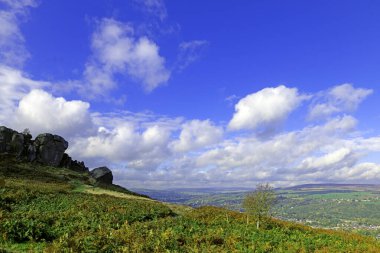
(46, 209)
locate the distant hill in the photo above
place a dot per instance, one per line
(336, 186)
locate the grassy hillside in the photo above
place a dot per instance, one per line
(53, 210)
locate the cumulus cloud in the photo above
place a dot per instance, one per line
(124, 143)
(142, 141)
(279, 150)
(116, 50)
(326, 160)
(41, 112)
(24, 104)
(340, 99)
(13, 86)
(12, 49)
(293, 157)
(267, 107)
(312, 154)
(197, 134)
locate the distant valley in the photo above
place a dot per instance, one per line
(353, 207)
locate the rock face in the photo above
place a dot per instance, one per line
(102, 175)
(6, 135)
(68, 162)
(50, 149)
(17, 144)
(47, 149)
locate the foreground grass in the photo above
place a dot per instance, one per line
(51, 217)
(55, 215)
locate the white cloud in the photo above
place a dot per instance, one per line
(366, 171)
(142, 142)
(326, 160)
(12, 48)
(197, 134)
(41, 112)
(267, 107)
(291, 157)
(19, 4)
(156, 8)
(279, 151)
(312, 154)
(232, 99)
(98, 81)
(116, 50)
(340, 99)
(13, 86)
(190, 51)
(124, 143)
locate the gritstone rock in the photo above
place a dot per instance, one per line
(102, 175)
(50, 148)
(6, 135)
(68, 162)
(17, 144)
(47, 149)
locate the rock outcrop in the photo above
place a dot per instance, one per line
(68, 162)
(50, 148)
(6, 135)
(17, 143)
(47, 149)
(102, 175)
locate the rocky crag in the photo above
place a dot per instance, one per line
(46, 149)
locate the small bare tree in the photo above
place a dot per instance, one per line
(26, 131)
(259, 202)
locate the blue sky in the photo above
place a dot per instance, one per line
(199, 93)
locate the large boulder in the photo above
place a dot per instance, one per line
(6, 135)
(50, 149)
(102, 175)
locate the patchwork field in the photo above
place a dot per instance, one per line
(347, 207)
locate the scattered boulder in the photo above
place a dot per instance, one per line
(102, 175)
(50, 149)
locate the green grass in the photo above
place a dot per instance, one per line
(71, 214)
(211, 229)
(31, 211)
